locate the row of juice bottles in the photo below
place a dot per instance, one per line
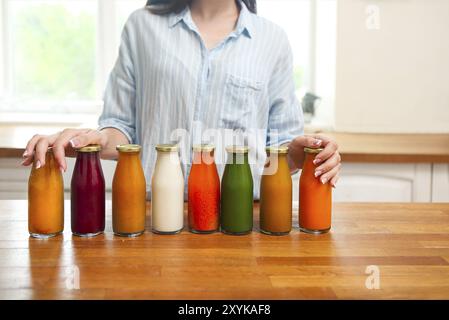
(211, 206)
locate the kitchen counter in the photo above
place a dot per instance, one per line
(393, 148)
(354, 147)
(408, 243)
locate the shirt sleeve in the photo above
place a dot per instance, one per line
(119, 109)
(285, 120)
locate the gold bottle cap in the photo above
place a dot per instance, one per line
(277, 149)
(237, 149)
(313, 150)
(203, 148)
(90, 148)
(167, 147)
(129, 148)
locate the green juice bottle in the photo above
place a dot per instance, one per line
(237, 193)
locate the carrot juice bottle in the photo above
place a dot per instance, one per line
(276, 193)
(46, 199)
(203, 191)
(315, 198)
(128, 193)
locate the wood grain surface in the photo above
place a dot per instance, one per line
(393, 148)
(408, 243)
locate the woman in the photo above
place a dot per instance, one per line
(193, 65)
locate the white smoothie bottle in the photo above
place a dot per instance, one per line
(167, 197)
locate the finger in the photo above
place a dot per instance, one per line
(87, 138)
(334, 180)
(328, 165)
(40, 152)
(325, 140)
(307, 141)
(325, 178)
(27, 161)
(29, 149)
(61, 143)
(28, 155)
(329, 150)
(68, 134)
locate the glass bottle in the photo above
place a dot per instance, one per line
(315, 198)
(276, 193)
(237, 193)
(203, 191)
(46, 199)
(128, 193)
(88, 193)
(167, 196)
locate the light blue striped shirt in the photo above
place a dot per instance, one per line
(167, 86)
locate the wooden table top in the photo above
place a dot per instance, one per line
(354, 147)
(409, 243)
(393, 148)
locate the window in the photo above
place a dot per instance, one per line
(50, 43)
(294, 17)
(56, 55)
(311, 29)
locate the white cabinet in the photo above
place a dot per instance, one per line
(440, 183)
(378, 182)
(13, 179)
(359, 182)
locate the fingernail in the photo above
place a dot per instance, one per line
(316, 161)
(61, 169)
(317, 173)
(334, 185)
(317, 142)
(73, 143)
(25, 154)
(323, 180)
(38, 164)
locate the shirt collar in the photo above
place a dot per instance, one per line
(244, 23)
(177, 17)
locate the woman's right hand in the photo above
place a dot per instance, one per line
(75, 138)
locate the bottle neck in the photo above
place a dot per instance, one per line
(238, 158)
(308, 161)
(278, 160)
(204, 158)
(129, 156)
(88, 157)
(50, 163)
(171, 157)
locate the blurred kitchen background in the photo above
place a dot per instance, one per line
(372, 73)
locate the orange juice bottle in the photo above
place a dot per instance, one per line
(128, 193)
(276, 193)
(46, 199)
(315, 198)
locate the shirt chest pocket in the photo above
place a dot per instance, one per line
(240, 100)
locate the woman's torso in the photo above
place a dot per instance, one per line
(183, 89)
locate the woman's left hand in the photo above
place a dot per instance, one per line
(327, 162)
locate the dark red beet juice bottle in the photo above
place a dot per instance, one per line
(88, 193)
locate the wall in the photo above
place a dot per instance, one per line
(392, 66)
